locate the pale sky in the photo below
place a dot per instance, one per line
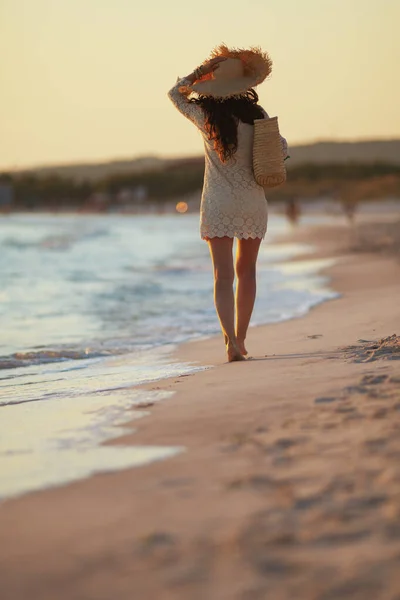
(86, 80)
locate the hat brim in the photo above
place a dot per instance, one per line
(224, 88)
(257, 66)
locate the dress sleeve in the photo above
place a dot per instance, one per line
(179, 97)
(283, 140)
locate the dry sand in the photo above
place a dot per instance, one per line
(289, 488)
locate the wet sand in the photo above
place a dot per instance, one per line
(289, 487)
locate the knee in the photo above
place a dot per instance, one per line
(245, 270)
(224, 277)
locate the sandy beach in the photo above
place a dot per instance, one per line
(289, 483)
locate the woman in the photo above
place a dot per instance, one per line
(232, 203)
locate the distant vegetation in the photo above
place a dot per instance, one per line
(328, 152)
(348, 182)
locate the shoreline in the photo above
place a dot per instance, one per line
(286, 454)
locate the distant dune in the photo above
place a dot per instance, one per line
(320, 152)
(338, 152)
(95, 171)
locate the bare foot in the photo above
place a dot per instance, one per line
(242, 347)
(233, 352)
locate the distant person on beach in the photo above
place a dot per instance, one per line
(349, 206)
(232, 203)
(293, 211)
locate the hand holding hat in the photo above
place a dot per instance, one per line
(210, 66)
(231, 71)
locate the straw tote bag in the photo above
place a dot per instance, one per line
(268, 163)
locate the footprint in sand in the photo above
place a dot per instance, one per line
(263, 537)
(326, 400)
(373, 379)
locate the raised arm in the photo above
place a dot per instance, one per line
(283, 140)
(179, 94)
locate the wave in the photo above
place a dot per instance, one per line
(23, 359)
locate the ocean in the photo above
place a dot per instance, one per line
(92, 306)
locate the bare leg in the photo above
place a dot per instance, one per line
(246, 259)
(221, 254)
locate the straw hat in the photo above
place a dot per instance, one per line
(242, 70)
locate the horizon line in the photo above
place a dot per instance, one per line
(86, 162)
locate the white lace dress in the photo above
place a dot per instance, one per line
(232, 203)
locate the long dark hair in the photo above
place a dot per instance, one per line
(222, 117)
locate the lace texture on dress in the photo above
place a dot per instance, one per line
(232, 202)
